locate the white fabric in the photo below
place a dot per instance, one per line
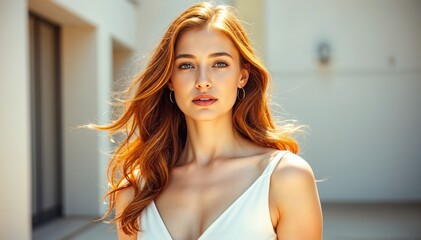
(248, 217)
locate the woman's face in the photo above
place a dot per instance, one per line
(206, 74)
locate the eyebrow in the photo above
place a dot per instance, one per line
(217, 54)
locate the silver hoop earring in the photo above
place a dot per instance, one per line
(241, 96)
(171, 99)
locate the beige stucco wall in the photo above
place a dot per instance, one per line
(15, 156)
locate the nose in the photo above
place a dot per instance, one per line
(203, 80)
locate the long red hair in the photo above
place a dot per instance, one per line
(155, 129)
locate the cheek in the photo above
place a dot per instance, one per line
(228, 89)
(176, 83)
(182, 79)
(181, 87)
(228, 80)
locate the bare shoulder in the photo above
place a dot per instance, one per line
(293, 176)
(122, 199)
(126, 195)
(293, 168)
(295, 199)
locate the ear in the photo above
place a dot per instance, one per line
(245, 72)
(170, 86)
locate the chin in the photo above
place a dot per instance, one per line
(208, 115)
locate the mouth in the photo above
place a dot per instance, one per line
(204, 100)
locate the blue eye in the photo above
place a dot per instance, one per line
(185, 66)
(221, 65)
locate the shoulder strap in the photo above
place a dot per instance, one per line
(275, 160)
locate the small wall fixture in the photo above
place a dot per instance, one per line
(324, 53)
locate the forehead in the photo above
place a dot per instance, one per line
(203, 41)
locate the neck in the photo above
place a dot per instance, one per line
(209, 140)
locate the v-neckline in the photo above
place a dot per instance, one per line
(225, 212)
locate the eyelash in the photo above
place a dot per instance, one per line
(184, 66)
(224, 64)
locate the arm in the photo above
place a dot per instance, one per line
(122, 199)
(295, 195)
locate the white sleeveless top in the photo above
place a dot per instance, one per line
(248, 217)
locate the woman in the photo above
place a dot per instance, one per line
(202, 158)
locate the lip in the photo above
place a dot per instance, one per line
(204, 100)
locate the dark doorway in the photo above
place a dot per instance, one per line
(47, 201)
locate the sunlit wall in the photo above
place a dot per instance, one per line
(362, 103)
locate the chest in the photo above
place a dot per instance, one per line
(193, 203)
